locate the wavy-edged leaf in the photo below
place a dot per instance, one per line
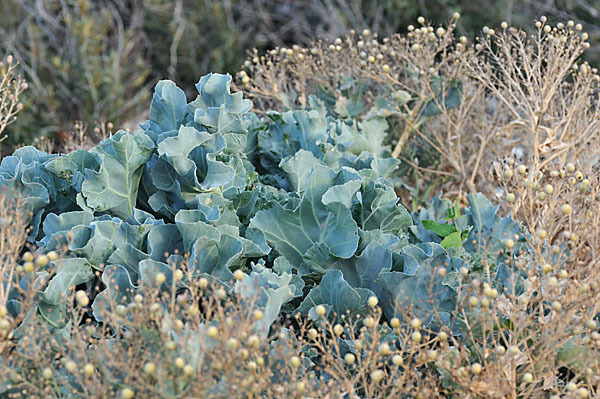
(333, 290)
(114, 187)
(70, 272)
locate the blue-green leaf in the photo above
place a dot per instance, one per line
(114, 187)
(336, 292)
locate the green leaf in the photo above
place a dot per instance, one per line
(70, 272)
(380, 208)
(268, 292)
(453, 240)
(168, 108)
(336, 292)
(219, 110)
(119, 288)
(293, 232)
(114, 187)
(448, 96)
(441, 229)
(299, 168)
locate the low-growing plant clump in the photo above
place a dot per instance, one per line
(219, 252)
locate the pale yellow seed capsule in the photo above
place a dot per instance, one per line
(510, 243)
(527, 378)
(386, 68)
(149, 368)
(28, 267)
(542, 233)
(563, 274)
(372, 301)
(541, 196)
(71, 366)
(546, 268)
(28, 257)
(127, 393)
(320, 310)
(82, 298)
(556, 306)
(421, 20)
(212, 332)
(349, 358)
(252, 366)
(47, 373)
(395, 322)
(591, 324)
(238, 275)
(397, 360)
(504, 25)
(338, 330)
(4, 324)
(232, 343)
(377, 375)
(384, 349)
(485, 303)
(160, 278)
(583, 393)
(295, 361)
(476, 368)
(416, 337)
(565, 209)
(42, 260)
(178, 275)
(358, 344)
(570, 167)
(52, 255)
(473, 301)
(415, 323)
(88, 370)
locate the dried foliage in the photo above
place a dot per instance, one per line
(519, 94)
(12, 86)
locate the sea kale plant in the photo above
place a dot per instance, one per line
(296, 193)
(269, 256)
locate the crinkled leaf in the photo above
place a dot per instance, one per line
(70, 272)
(333, 290)
(114, 187)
